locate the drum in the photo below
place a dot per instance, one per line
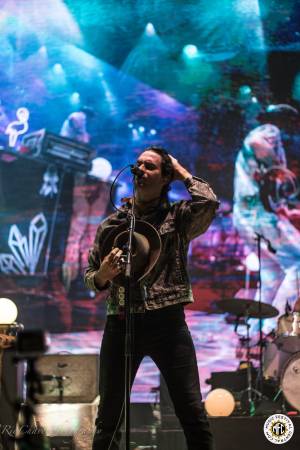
(273, 361)
(288, 333)
(290, 381)
(289, 324)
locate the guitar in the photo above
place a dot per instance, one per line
(278, 187)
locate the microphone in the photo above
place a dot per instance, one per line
(267, 241)
(136, 171)
(270, 247)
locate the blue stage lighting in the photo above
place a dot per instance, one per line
(245, 90)
(58, 69)
(191, 51)
(150, 30)
(75, 98)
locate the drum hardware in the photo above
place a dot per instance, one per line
(242, 307)
(248, 309)
(282, 360)
(250, 393)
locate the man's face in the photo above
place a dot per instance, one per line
(150, 185)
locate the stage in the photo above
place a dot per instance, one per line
(210, 93)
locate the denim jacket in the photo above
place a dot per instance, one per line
(168, 283)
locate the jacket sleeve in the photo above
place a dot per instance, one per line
(195, 215)
(94, 263)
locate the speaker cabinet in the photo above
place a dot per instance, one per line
(63, 420)
(68, 378)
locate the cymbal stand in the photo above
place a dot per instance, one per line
(259, 238)
(250, 390)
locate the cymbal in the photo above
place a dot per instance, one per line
(246, 307)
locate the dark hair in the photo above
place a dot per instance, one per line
(166, 166)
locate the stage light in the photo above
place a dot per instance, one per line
(219, 402)
(245, 90)
(109, 96)
(130, 125)
(43, 50)
(153, 132)
(58, 69)
(249, 10)
(141, 129)
(101, 169)
(248, 7)
(75, 98)
(150, 30)
(135, 134)
(8, 311)
(191, 51)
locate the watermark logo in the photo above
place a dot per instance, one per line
(278, 429)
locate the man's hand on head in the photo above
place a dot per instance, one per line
(180, 173)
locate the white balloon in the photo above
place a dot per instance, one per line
(8, 311)
(219, 402)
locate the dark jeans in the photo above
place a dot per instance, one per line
(164, 336)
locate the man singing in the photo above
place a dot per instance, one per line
(160, 330)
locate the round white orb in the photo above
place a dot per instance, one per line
(219, 402)
(101, 168)
(8, 311)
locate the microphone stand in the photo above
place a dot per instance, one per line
(128, 322)
(259, 237)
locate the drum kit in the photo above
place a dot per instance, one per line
(279, 356)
